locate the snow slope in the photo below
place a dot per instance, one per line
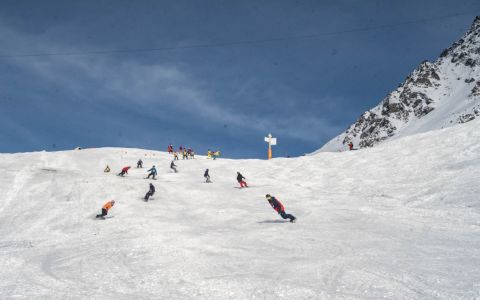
(435, 95)
(398, 221)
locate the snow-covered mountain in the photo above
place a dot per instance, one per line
(435, 95)
(371, 224)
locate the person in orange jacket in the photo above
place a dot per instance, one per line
(105, 209)
(124, 171)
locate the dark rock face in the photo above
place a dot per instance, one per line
(418, 96)
(476, 90)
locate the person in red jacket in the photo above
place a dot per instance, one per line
(105, 209)
(278, 207)
(124, 171)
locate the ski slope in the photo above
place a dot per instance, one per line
(398, 221)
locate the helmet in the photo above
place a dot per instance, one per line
(113, 201)
(268, 196)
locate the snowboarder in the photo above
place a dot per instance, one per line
(207, 176)
(124, 171)
(153, 172)
(278, 207)
(105, 209)
(150, 192)
(139, 164)
(107, 169)
(173, 166)
(350, 146)
(241, 181)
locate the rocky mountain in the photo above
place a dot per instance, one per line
(435, 95)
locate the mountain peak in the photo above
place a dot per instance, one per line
(435, 95)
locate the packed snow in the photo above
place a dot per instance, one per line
(399, 221)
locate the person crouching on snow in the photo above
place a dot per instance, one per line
(278, 207)
(105, 208)
(124, 171)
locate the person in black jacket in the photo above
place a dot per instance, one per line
(241, 180)
(150, 192)
(139, 164)
(173, 166)
(278, 207)
(207, 176)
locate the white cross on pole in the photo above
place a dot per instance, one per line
(271, 142)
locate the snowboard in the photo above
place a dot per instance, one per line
(102, 218)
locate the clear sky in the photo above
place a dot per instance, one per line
(207, 74)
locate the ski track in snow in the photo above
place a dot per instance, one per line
(398, 221)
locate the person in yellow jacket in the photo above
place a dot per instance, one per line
(105, 209)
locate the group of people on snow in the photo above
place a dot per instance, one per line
(185, 152)
(213, 154)
(274, 202)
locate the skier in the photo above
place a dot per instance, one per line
(184, 153)
(107, 169)
(278, 207)
(139, 164)
(105, 209)
(350, 146)
(207, 176)
(170, 149)
(124, 171)
(153, 172)
(173, 166)
(241, 181)
(150, 192)
(175, 155)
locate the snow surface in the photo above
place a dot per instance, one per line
(399, 221)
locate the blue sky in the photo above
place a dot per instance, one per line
(301, 70)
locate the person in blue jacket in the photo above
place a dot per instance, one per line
(153, 172)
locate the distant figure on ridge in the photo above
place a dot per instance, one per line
(150, 192)
(139, 164)
(241, 180)
(105, 209)
(124, 171)
(107, 169)
(153, 172)
(278, 207)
